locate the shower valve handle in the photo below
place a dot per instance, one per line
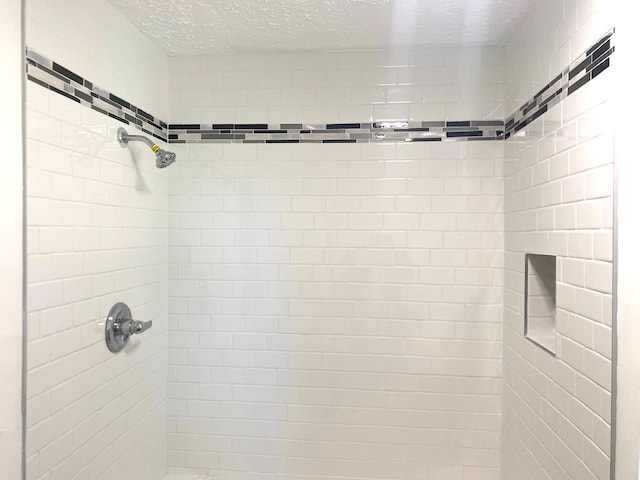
(131, 327)
(120, 326)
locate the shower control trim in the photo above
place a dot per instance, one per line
(120, 326)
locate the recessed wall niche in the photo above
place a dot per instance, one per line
(540, 300)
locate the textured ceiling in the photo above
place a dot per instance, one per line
(183, 27)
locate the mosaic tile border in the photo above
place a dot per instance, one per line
(469, 130)
(580, 72)
(59, 79)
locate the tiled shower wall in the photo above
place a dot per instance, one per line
(97, 228)
(558, 201)
(334, 87)
(336, 309)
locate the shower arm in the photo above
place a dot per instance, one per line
(124, 138)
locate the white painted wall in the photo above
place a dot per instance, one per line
(97, 234)
(11, 68)
(558, 201)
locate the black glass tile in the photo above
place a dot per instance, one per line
(94, 95)
(465, 123)
(162, 124)
(464, 134)
(159, 137)
(601, 50)
(38, 81)
(269, 131)
(305, 131)
(251, 126)
(600, 68)
(601, 42)
(224, 131)
(343, 126)
(507, 135)
(173, 136)
(600, 59)
(578, 84)
(144, 114)
(119, 101)
(184, 126)
(62, 92)
(118, 118)
(487, 123)
(412, 129)
(282, 141)
(427, 139)
(83, 96)
(31, 62)
(225, 126)
(521, 124)
(67, 73)
(338, 141)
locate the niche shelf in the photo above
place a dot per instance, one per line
(540, 301)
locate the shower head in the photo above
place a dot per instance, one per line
(163, 158)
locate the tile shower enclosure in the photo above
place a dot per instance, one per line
(347, 310)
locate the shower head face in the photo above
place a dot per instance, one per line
(164, 158)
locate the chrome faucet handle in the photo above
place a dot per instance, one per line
(131, 327)
(142, 326)
(120, 326)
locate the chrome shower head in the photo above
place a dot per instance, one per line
(163, 158)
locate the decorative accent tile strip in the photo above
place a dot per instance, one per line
(337, 132)
(59, 79)
(580, 72)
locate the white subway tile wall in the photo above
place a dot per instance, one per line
(336, 310)
(558, 201)
(401, 84)
(97, 234)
